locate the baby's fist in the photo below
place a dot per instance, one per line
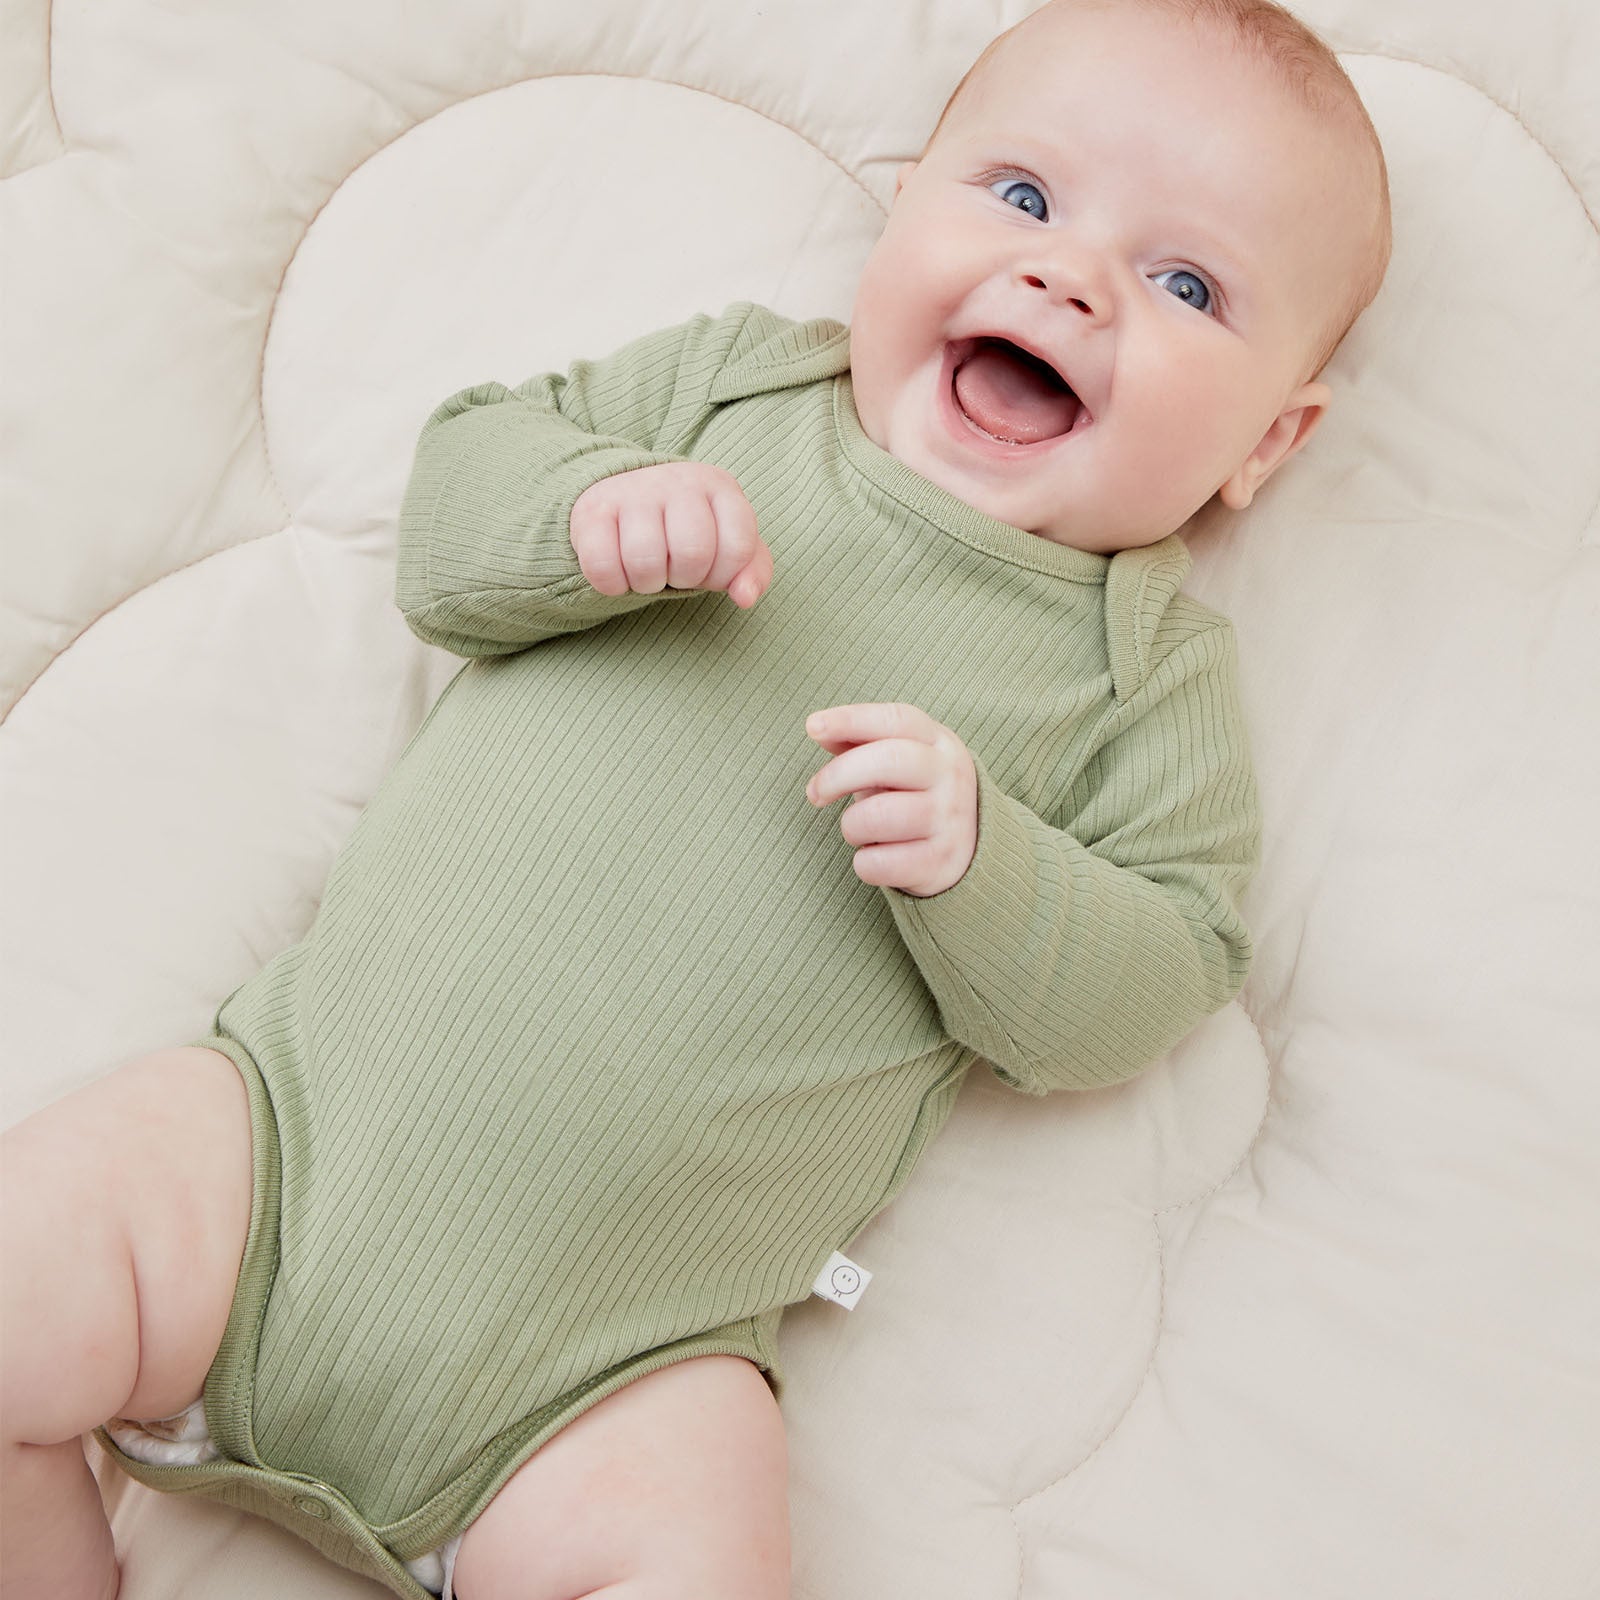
(680, 525)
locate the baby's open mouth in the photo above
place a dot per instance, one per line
(1011, 394)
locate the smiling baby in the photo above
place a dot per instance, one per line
(609, 1031)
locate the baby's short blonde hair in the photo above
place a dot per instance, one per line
(1311, 71)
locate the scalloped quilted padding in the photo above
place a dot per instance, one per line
(1311, 1308)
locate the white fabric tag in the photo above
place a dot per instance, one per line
(842, 1281)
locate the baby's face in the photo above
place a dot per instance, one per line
(1149, 213)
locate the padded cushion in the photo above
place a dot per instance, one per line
(1311, 1307)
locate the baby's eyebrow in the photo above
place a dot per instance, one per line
(1019, 150)
(1227, 259)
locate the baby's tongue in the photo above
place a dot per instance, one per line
(1011, 395)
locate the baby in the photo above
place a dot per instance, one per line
(606, 1036)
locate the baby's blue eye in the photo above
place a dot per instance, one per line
(1024, 196)
(1188, 286)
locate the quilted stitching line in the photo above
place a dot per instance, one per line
(1589, 522)
(695, 88)
(1500, 105)
(62, 147)
(1133, 1396)
(50, 76)
(1161, 1309)
(171, 572)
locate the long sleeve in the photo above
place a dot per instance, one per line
(1076, 950)
(485, 564)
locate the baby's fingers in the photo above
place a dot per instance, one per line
(595, 540)
(880, 764)
(642, 541)
(887, 816)
(752, 583)
(744, 563)
(691, 539)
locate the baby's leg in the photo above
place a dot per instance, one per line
(126, 1208)
(673, 1488)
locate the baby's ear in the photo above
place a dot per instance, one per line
(1301, 413)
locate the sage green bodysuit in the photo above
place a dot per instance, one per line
(598, 1047)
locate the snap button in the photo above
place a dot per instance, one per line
(311, 1506)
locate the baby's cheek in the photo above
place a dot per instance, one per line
(1205, 427)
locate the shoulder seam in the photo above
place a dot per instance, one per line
(746, 375)
(1130, 634)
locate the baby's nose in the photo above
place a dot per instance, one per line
(1073, 279)
(1034, 281)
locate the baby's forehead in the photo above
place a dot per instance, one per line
(1203, 125)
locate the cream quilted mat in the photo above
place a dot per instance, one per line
(1312, 1309)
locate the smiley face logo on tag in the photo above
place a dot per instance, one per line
(841, 1281)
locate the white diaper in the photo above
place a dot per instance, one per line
(184, 1441)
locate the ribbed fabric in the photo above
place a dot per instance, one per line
(598, 1043)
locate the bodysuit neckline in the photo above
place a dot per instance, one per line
(951, 515)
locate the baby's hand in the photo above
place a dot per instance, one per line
(915, 812)
(682, 524)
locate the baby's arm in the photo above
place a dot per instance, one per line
(486, 560)
(1074, 951)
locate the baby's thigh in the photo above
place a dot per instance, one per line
(127, 1209)
(676, 1485)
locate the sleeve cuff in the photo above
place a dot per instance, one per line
(1001, 863)
(605, 458)
(989, 911)
(547, 558)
